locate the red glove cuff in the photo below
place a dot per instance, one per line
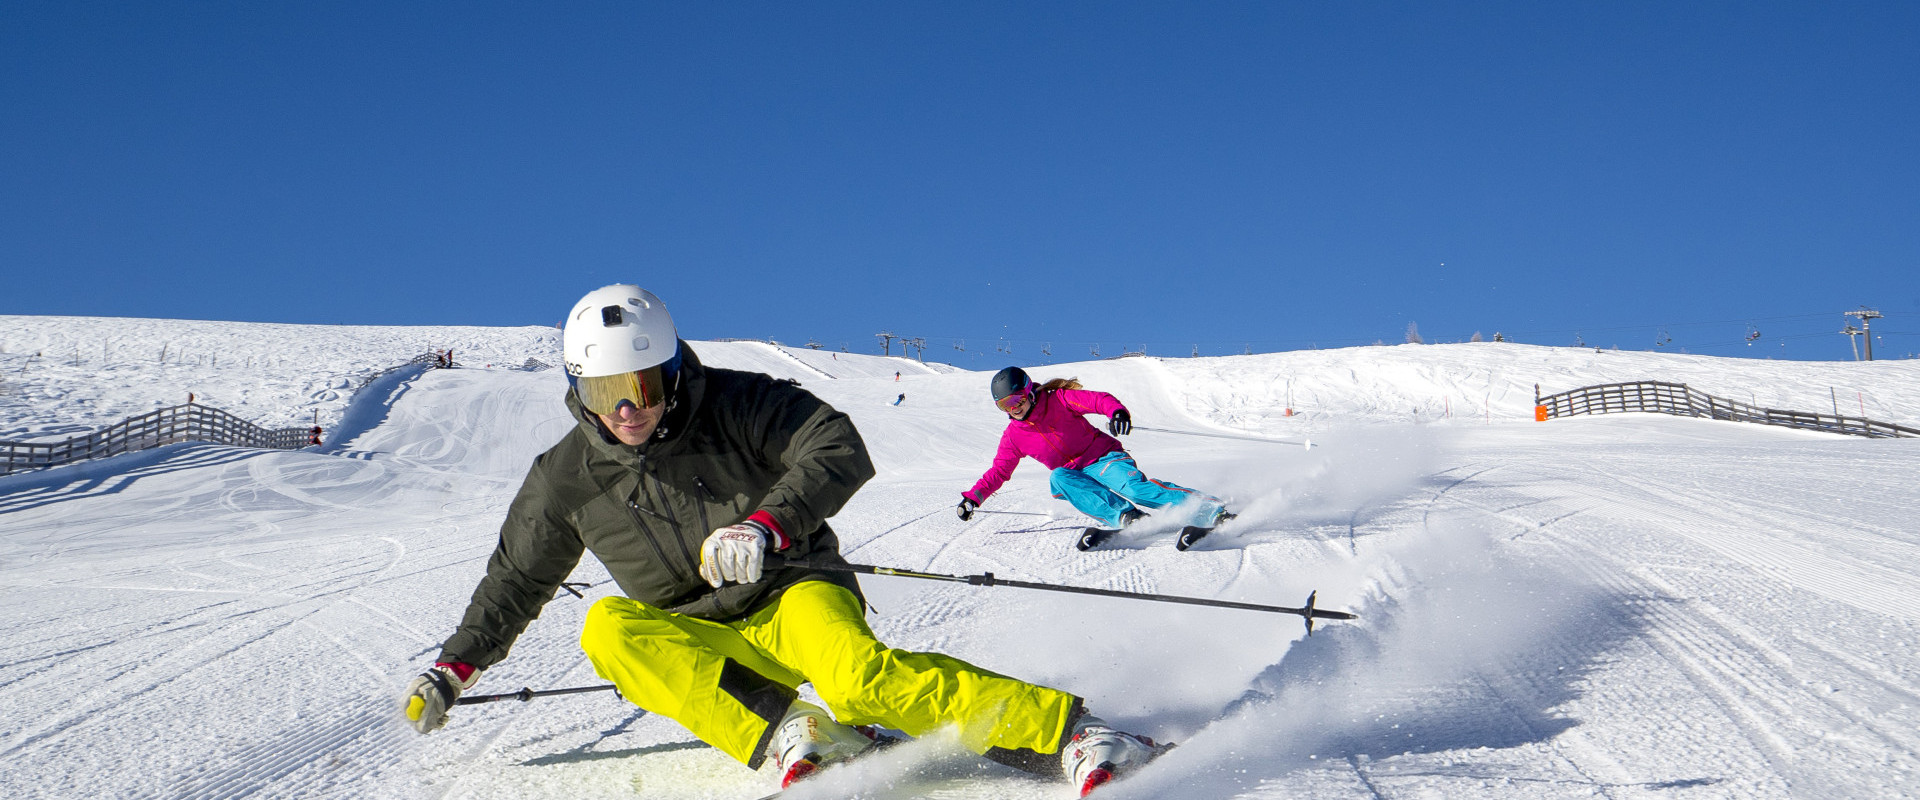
(780, 539)
(460, 670)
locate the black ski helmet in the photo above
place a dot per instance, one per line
(1010, 381)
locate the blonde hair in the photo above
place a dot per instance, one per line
(1061, 383)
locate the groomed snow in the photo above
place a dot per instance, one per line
(1623, 606)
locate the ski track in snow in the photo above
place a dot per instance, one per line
(1623, 607)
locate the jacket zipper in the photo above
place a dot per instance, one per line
(703, 507)
(646, 532)
(679, 537)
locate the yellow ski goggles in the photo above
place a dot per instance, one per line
(603, 394)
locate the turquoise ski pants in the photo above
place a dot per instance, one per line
(1106, 488)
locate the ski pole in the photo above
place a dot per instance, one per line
(526, 694)
(1308, 612)
(1308, 443)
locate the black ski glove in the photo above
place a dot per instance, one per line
(1121, 424)
(966, 507)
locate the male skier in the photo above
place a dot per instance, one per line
(681, 478)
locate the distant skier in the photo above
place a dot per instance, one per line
(1091, 469)
(680, 479)
(897, 400)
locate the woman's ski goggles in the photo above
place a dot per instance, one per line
(603, 394)
(1012, 401)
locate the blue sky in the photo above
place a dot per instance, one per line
(1231, 176)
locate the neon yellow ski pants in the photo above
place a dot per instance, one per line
(730, 683)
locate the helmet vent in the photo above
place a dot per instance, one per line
(611, 317)
(642, 342)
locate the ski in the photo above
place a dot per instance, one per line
(1194, 533)
(1189, 535)
(1093, 537)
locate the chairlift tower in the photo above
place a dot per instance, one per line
(886, 342)
(1867, 316)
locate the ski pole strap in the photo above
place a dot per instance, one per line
(526, 694)
(1308, 612)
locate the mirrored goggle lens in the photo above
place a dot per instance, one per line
(603, 395)
(1010, 402)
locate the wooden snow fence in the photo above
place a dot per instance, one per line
(189, 422)
(1660, 397)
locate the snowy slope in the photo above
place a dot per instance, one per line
(1620, 606)
(65, 375)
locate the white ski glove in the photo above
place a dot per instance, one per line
(734, 553)
(430, 695)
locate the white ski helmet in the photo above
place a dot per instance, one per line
(623, 334)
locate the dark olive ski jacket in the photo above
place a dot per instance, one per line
(731, 444)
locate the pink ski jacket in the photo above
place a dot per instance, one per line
(1054, 433)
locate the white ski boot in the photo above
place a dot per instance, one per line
(1096, 753)
(808, 739)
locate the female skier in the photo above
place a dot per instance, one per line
(1090, 469)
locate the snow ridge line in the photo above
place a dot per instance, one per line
(796, 360)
